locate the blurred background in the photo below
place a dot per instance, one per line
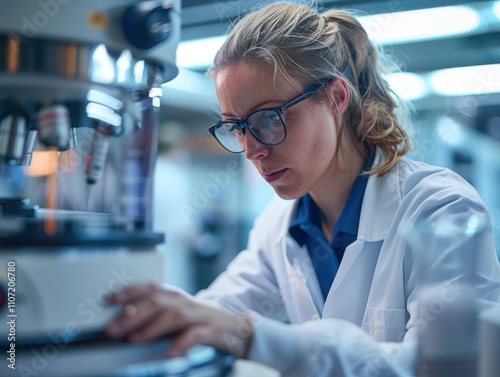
(207, 199)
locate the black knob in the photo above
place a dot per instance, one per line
(147, 23)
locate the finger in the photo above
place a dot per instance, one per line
(134, 316)
(133, 293)
(174, 313)
(195, 335)
(152, 316)
(166, 322)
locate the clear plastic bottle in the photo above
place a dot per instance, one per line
(447, 309)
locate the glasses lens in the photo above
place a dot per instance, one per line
(230, 135)
(267, 126)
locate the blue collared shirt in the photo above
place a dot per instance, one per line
(306, 229)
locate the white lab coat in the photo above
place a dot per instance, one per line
(368, 323)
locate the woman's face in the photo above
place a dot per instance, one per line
(306, 158)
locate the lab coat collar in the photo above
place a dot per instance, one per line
(290, 214)
(381, 200)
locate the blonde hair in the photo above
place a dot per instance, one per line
(299, 46)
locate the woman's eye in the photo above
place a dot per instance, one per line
(231, 127)
(272, 117)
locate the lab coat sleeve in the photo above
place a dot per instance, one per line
(328, 348)
(249, 283)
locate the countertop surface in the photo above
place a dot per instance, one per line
(104, 358)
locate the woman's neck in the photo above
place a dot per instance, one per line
(331, 193)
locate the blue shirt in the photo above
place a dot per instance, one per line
(306, 229)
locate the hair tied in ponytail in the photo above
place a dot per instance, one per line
(330, 23)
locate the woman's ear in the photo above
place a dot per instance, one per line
(338, 94)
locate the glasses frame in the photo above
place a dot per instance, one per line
(242, 124)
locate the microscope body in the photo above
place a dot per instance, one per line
(80, 90)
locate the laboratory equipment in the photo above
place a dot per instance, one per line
(446, 250)
(489, 337)
(80, 90)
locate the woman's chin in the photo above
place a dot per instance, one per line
(287, 193)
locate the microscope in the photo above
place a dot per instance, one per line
(80, 90)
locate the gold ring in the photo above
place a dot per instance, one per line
(130, 310)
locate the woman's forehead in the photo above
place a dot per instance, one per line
(243, 88)
(244, 74)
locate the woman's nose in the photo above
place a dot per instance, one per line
(254, 149)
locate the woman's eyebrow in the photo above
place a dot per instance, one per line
(260, 105)
(230, 115)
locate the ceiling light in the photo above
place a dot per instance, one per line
(408, 86)
(422, 24)
(387, 28)
(474, 80)
(198, 53)
(496, 9)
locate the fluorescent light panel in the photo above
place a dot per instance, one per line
(198, 53)
(474, 80)
(496, 9)
(422, 24)
(394, 28)
(388, 28)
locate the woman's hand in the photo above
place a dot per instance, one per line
(153, 311)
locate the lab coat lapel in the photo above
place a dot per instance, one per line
(350, 255)
(350, 289)
(305, 298)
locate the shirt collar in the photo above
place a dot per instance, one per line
(308, 216)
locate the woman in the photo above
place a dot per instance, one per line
(327, 284)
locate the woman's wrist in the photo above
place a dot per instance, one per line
(239, 335)
(235, 331)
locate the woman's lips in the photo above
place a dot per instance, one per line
(271, 177)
